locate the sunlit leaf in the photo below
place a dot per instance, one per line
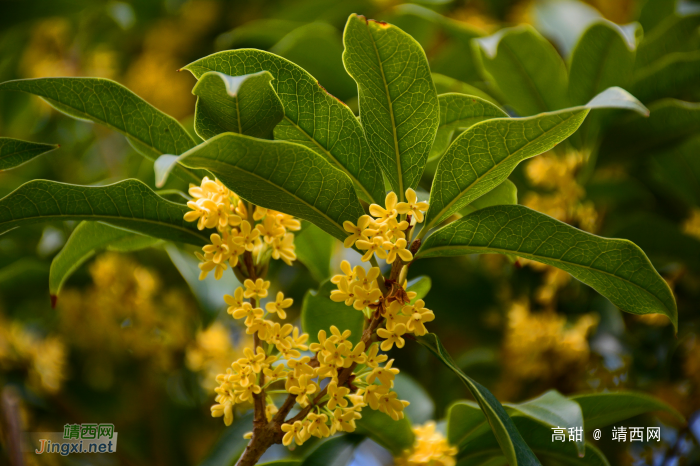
(312, 117)
(398, 103)
(15, 152)
(615, 268)
(282, 176)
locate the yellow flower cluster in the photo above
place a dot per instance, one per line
(44, 359)
(565, 202)
(385, 232)
(277, 360)
(131, 315)
(542, 345)
(429, 449)
(215, 206)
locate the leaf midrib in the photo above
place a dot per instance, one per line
(250, 173)
(30, 149)
(535, 258)
(447, 207)
(397, 153)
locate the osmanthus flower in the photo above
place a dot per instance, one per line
(429, 448)
(374, 358)
(235, 301)
(340, 338)
(392, 336)
(385, 374)
(412, 207)
(388, 212)
(318, 425)
(256, 289)
(418, 315)
(345, 292)
(279, 305)
(347, 269)
(371, 247)
(215, 206)
(357, 231)
(292, 433)
(247, 312)
(391, 405)
(356, 356)
(344, 420)
(397, 248)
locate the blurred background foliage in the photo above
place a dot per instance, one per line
(137, 342)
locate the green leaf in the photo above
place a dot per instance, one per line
(239, 104)
(149, 130)
(669, 77)
(314, 249)
(312, 117)
(319, 312)
(670, 121)
(129, 204)
(86, 239)
(615, 268)
(485, 155)
(603, 409)
(395, 436)
(282, 176)
(318, 48)
(230, 444)
(335, 451)
(15, 152)
(445, 84)
(422, 407)
(398, 103)
(603, 57)
(678, 169)
(509, 439)
(505, 193)
(526, 69)
(539, 437)
(420, 285)
(465, 421)
(459, 112)
(675, 34)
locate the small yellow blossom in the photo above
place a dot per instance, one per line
(385, 214)
(256, 289)
(392, 337)
(283, 248)
(336, 395)
(412, 206)
(430, 448)
(397, 248)
(357, 231)
(292, 432)
(373, 358)
(385, 374)
(372, 247)
(279, 305)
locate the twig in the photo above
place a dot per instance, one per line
(12, 425)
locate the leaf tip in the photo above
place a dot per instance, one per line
(54, 300)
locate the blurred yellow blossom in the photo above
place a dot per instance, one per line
(430, 448)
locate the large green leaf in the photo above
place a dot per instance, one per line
(239, 104)
(395, 436)
(422, 407)
(230, 444)
(675, 34)
(539, 437)
(129, 204)
(465, 420)
(671, 76)
(670, 121)
(459, 112)
(282, 176)
(319, 312)
(150, 131)
(677, 169)
(505, 193)
(603, 409)
(482, 157)
(314, 248)
(335, 451)
(398, 103)
(526, 69)
(318, 48)
(616, 268)
(511, 443)
(86, 239)
(445, 84)
(312, 117)
(602, 58)
(15, 152)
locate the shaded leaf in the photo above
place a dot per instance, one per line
(335, 451)
(149, 130)
(526, 69)
(230, 444)
(422, 407)
(505, 193)
(420, 285)
(395, 436)
(615, 268)
(459, 112)
(83, 243)
(312, 117)
(509, 439)
(319, 312)
(675, 33)
(445, 84)
(239, 104)
(669, 122)
(669, 77)
(129, 204)
(282, 176)
(15, 152)
(314, 249)
(398, 102)
(603, 409)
